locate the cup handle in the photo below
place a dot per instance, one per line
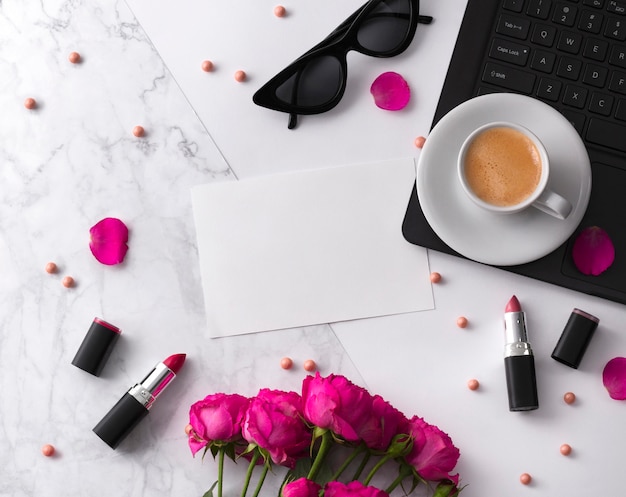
(552, 203)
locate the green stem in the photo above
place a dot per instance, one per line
(348, 461)
(220, 472)
(359, 470)
(251, 466)
(321, 455)
(379, 464)
(261, 480)
(404, 472)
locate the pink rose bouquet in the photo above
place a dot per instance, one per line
(299, 431)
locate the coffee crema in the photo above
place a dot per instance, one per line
(502, 166)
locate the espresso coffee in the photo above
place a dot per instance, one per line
(502, 166)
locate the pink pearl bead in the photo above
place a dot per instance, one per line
(74, 57)
(67, 282)
(462, 322)
(30, 103)
(47, 450)
(286, 363)
(569, 398)
(565, 449)
(51, 268)
(435, 277)
(188, 429)
(309, 365)
(240, 76)
(473, 384)
(525, 479)
(420, 141)
(138, 131)
(280, 11)
(207, 66)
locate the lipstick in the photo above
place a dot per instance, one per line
(519, 361)
(136, 403)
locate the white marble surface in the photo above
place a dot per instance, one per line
(73, 161)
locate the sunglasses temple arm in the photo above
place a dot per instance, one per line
(293, 117)
(424, 19)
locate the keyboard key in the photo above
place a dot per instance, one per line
(514, 27)
(549, 89)
(509, 51)
(620, 113)
(607, 134)
(513, 5)
(569, 68)
(595, 75)
(618, 82)
(598, 4)
(616, 7)
(565, 14)
(543, 61)
(615, 28)
(595, 49)
(543, 35)
(618, 56)
(509, 78)
(570, 42)
(590, 21)
(575, 96)
(601, 104)
(539, 8)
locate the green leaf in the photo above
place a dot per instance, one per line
(445, 490)
(209, 492)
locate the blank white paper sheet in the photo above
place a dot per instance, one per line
(308, 247)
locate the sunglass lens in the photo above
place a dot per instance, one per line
(386, 27)
(317, 83)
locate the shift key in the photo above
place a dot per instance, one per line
(509, 78)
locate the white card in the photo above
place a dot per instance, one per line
(308, 247)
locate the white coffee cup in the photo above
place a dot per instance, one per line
(504, 168)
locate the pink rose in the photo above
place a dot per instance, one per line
(352, 489)
(274, 422)
(336, 404)
(384, 423)
(302, 487)
(433, 455)
(216, 418)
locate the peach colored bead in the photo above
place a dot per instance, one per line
(67, 282)
(420, 141)
(51, 268)
(30, 103)
(240, 76)
(525, 479)
(462, 322)
(569, 398)
(565, 449)
(309, 365)
(286, 363)
(473, 384)
(47, 450)
(207, 66)
(74, 57)
(138, 131)
(188, 429)
(435, 277)
(280, 11)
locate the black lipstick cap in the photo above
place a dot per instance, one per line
(575, 338)
(96, 347)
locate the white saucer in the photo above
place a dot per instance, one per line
(501, 240)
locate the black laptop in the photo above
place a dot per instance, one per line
(570, 54)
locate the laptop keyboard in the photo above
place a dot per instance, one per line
(570, 54)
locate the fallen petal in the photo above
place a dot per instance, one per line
(390, 91)
(593, 251)
(614, 378)
(107, 241)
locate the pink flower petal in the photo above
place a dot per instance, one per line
(614, 378)
(593, 251)
(107, 241)
(390, 91)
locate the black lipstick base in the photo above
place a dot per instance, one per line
(120, 420)
(521, 382)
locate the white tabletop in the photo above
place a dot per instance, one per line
(74, 160)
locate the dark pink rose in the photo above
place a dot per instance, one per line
(301, 487)
(336, 404)
(434, 455)
(274, 422)
(216, 418)
(384, 423)
(352, 489)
